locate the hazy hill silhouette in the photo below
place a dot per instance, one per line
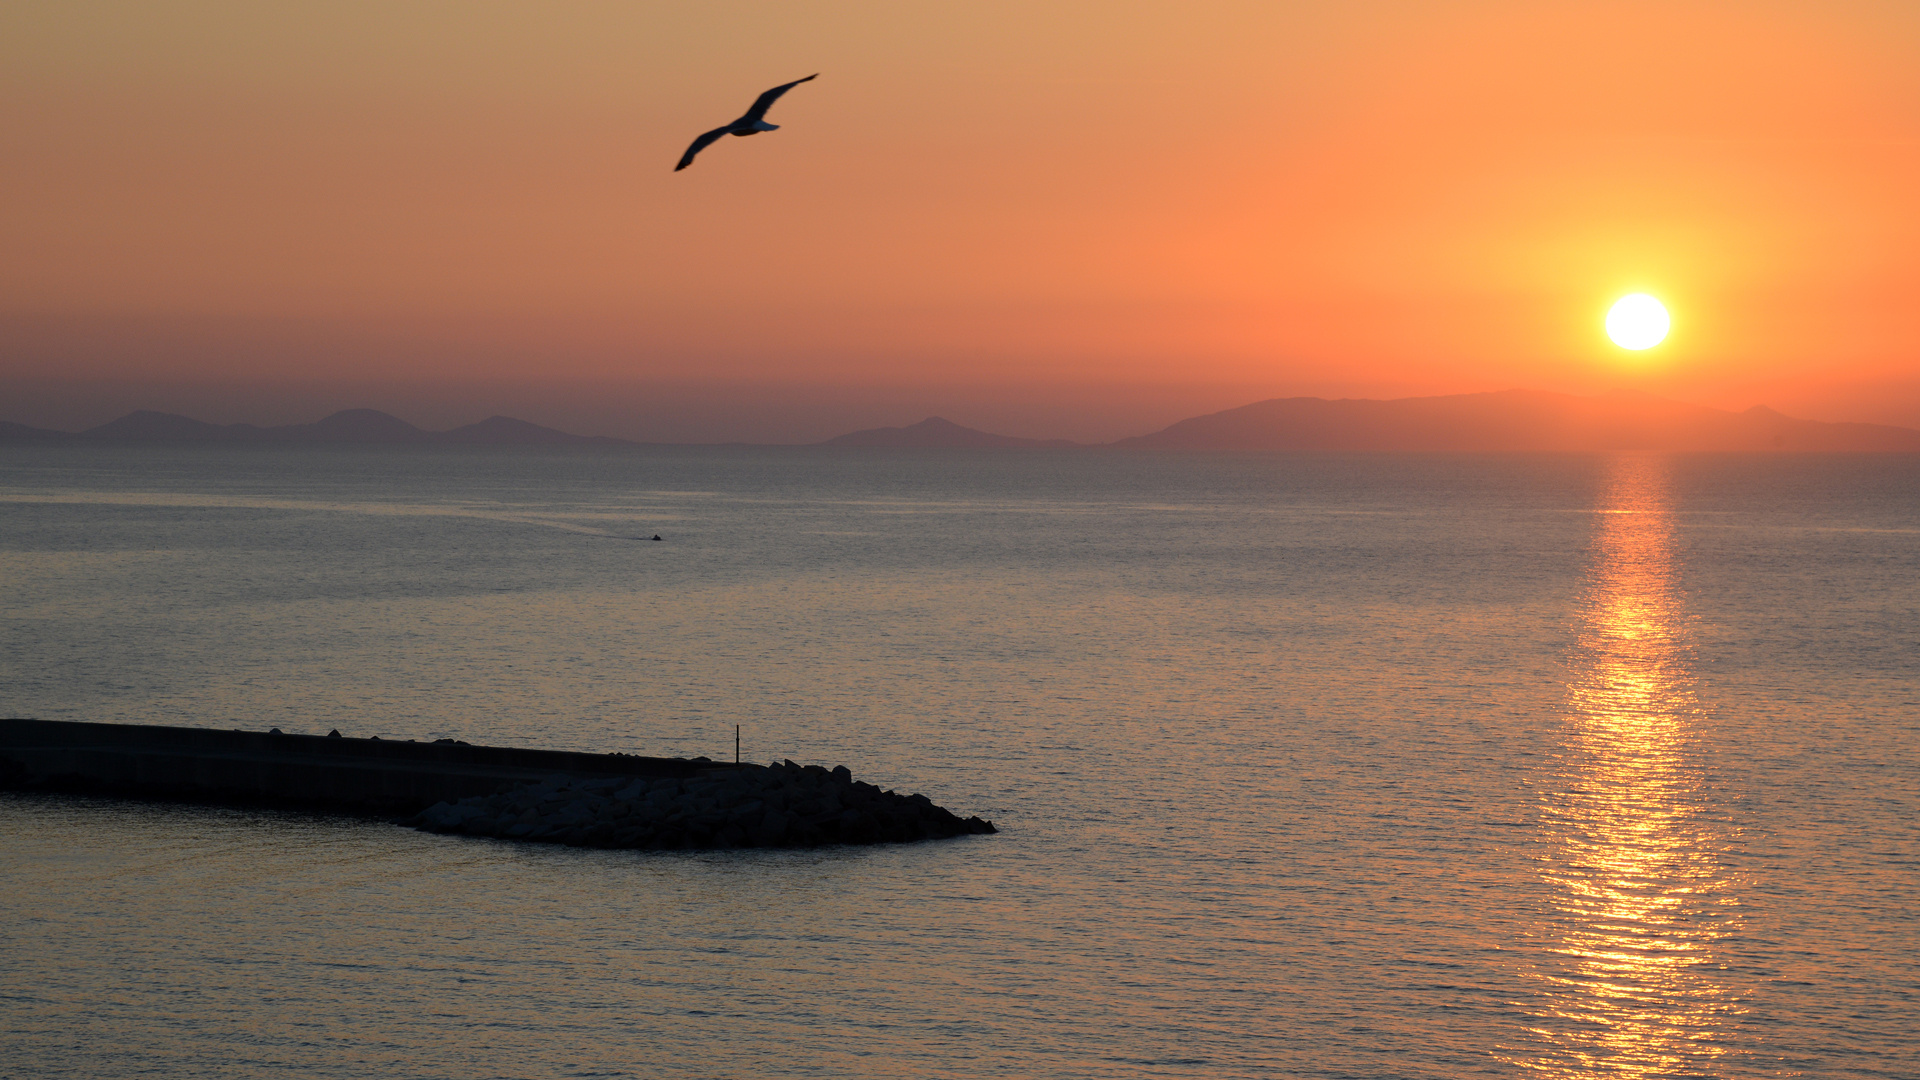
(939, 433)
(1514, 420)
(351, 426)
(360, 427)
(12, 432)
(506, 431)
(1505, 421)
(145, 425)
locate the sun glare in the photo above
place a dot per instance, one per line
(1637, 321)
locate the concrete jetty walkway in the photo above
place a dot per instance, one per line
(594, 800)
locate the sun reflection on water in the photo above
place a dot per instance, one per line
(1639, 898)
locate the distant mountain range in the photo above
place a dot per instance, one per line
(366, 427)
(1515, 420)
(939, 433)
(1506, 421)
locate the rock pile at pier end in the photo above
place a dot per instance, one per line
(746, 806)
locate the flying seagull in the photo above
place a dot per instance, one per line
(753, 123)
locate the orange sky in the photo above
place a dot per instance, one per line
(1056, 218)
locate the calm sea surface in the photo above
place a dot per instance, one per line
(1307, 765)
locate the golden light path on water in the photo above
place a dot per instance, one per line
(1639, 896)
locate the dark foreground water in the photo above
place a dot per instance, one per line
(1307, 765)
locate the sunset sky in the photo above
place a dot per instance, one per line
(1043, 218)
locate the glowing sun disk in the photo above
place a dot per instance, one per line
(1637, 321)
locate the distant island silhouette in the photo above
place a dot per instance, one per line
(364, 427)
(937, 432)
(1506, 421)
(1515, 420)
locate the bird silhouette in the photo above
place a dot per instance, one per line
(753, 123)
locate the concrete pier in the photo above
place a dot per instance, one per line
(374, 776)
(540, 796)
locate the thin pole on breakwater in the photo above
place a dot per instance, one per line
(736, 744)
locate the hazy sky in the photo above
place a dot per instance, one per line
(1056, 218)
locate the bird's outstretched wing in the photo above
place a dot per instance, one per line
(765, 101)
(700, 144)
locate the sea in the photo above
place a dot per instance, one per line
(1304, 765)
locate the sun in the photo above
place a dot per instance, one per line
(1637, 321)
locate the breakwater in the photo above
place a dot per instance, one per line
(607, 800)
(784, 805)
